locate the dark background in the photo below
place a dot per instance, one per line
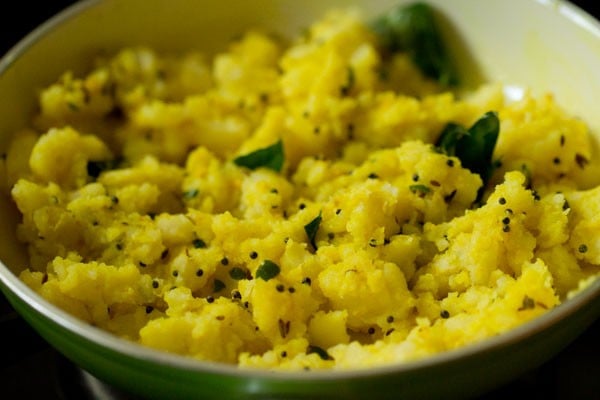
(37, 371)
(16, 22)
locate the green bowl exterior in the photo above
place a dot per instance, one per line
(466, 376)
(134, 375)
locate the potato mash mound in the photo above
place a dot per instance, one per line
(285, 205)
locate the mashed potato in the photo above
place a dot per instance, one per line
(284, 206)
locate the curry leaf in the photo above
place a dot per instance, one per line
(450, 137)
(271, 157)
(474, 146)
(413, 29)
(311, 230)
(475, 149)
(267, 270)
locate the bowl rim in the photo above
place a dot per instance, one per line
(38, 33)
(133, 350)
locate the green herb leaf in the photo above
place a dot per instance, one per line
(450, 137)
(267, 270)
(528, 176)
(199, 243)
(311, 230)
(237, 273)
(475, 146)
(528, 304)
(271, 157)
(347, 87)
(422, 189)
(190, 194)
(321, 352)
(413, 29)
(95, 168)
(218, 285)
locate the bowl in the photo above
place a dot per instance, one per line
(550, 46)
